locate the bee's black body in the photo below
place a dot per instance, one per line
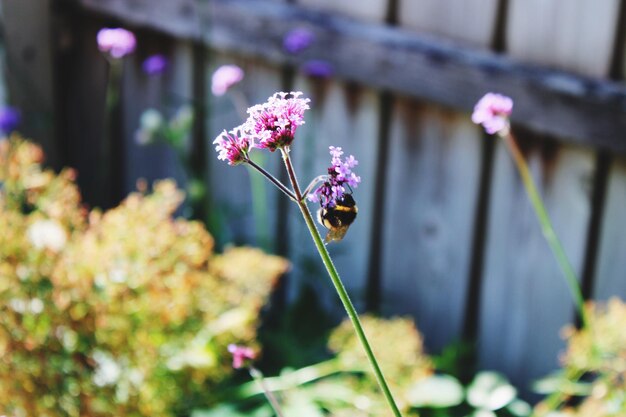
(337, 219)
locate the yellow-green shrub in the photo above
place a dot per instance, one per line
(123, 313)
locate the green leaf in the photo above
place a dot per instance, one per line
(437, 391)
(490, 391)
(519, 408)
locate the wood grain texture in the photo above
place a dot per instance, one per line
(470, 22)
(576, 108)
(28, 69)
(525, 300)
(372, 10)
(343, 116)
(167, 93)
(576, 35)
(432, 185)
(230, 187)
(611, 265)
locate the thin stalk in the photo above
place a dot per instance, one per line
(546, 225)
(341, 291)
(313, 183)
(282, 187)
(258, 377)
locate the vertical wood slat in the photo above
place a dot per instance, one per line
(27, 28)
(576, 35)
(166, 93)
(525, 300)
(372, 10)
(471, 22)
(432, 186)
(347, 117)
(231, 187)
(610, 275)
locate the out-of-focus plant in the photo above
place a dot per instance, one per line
(121, 313)
(597, 354)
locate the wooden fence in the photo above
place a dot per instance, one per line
(445, 231)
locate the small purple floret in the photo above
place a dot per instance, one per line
(318, 68)
(339, 175)
(117, 42)
(10, 118)
(297, 40)
(155, 64)
(240, 355)
(234, 146)
(492, 112)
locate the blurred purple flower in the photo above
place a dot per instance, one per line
(339, 174)
(240, 355)
(297, 40)
(10, 118)
(492, 112)
(318, 68)
(155, 64)
(275, 122)
(225, 77)
(117, 42)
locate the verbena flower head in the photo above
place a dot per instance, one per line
(492, 112)
(297, 40)
(274, 123)
(117, 42)
(339, 175)
(234, 146)
(225, 77)
(240, 355)
(155, 64)
(10, 118)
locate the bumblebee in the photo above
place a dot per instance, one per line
(337, 219)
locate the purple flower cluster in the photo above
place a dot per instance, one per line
(117, 42)
(234, 146)
(225, 77)
(10, 118)
(271, 125)
(298, 39)
(274, 123)
(155, 64)
(492, 112)
(339, 175)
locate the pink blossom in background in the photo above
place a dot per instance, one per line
(297, 40)
(233, 146)
(492, 112)
(225, 77)
(274, 122)
(117, 42)
(240, 354)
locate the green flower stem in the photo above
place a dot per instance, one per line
(282, 187)
(258, 377)
(341, 291)
(546, 226)
(293, 379)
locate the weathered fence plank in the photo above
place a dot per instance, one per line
(525, 300)
(371, 10)
(230, 188)
(611, 266)
(575, 108)
(470, 22)
(576, 35)
(166, 93)
(431, 191)
(28, 69)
